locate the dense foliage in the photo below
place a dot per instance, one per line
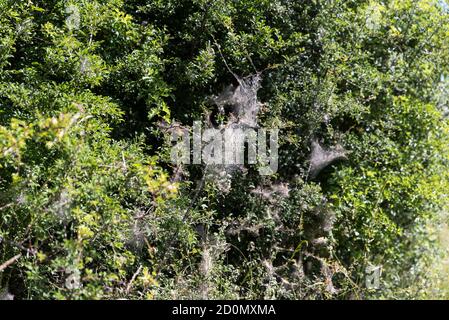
(92, 207)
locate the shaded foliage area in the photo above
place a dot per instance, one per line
(93, 207)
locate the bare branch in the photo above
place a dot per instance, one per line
(10, 262)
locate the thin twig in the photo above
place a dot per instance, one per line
(224, 60)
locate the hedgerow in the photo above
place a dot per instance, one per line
(93, 208)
